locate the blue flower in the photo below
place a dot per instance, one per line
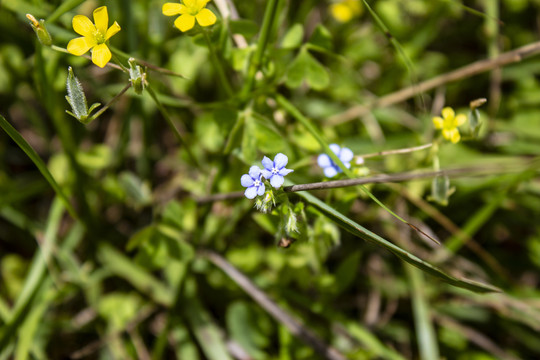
(329, 167)
(253, 182)
(275, 170)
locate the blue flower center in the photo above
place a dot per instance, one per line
(257, 183)
(275, 171)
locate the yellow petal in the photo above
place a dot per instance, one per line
(80, 45)
(190, 3)
(448, 113)
(171, 9)
(451, 134)
(83, 26)
(200, 4)
(112, 30)
(460, 119)
(341, 12)
(205, 17)
(185, 22)
(101, 55)
(101, 19)
(438, 122)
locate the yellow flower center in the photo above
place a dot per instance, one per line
(99, 37)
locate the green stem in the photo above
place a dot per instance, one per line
(108, 105)
(217, 64)
(117, 61)
(167, 117)
(256, 60)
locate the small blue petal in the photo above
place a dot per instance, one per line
(346, 155)
(347, 165)
(266, 174)
(330, 171)
(254, 172)
(335, 149)
(246, 180)
(251, 192)
(267, 163)
(277, 181)
(280, 161)
(324, 161)
(261, 189)
(284, 171)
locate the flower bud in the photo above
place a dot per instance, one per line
(41, 31)
(136, 76)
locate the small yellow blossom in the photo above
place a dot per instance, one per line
(343, 11)
(190, 11)
(93, 37)
(449, 124)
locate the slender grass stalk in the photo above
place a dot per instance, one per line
(176, 133)
(256, 60)
(35, 277)
(218, 65)
(425, 334)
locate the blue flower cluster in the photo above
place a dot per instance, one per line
(329, 167)
(274, 171)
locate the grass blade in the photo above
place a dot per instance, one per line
(359, 231)
(23, 144)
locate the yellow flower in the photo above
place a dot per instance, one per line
(93, 37)
(189, 11)
(449, 124)
(345, 10)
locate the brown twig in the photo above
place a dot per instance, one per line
(291, 323)
(377, 179)
(396, 151)
(458, 74)
(475, 337)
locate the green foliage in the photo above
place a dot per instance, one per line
(125, 234)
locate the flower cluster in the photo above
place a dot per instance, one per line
(449, 123)
(274, 171)
(329, 167)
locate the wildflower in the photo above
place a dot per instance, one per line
(449, 124)
(189, 11)
(93, 37)
(253, 183)
(343, 11)
(329, 167)
(275, 170)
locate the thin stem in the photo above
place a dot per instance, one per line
(396, 151)
(109, 104)
(256, 60)
(217, 64)
(176, 133)
(117, 60)
(150, 66)
(272, 308)
(467, 71)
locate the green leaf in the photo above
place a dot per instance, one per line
(306, 68)
(367, 235)
(322, 38)
(293, 37)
